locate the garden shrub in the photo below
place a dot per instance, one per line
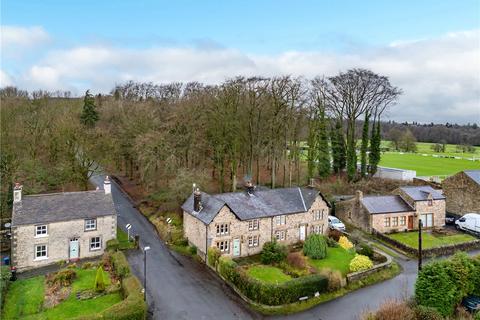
(100, 280)
(113, 245)
(120, 264)
(63, 277)
(315, 247)
(87, 265)
(462, 271)
(291, 271)
(366, 250)
(345, 243)
(192, 250)
(360, 263)
(181, 242)
(331, 242)
(213, 254)
(273, 252)
(334, 234)
(335, 279)
(477, 316)
(296, 260)
(427, 313)
(5, 275)
(392, 310)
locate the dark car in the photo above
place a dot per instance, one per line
(450, 219)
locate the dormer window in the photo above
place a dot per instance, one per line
(41, 231)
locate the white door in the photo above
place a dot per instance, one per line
(236, 247)
(73, 249)
(303, 230)
(427, 220)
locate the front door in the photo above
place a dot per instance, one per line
(410, 222)
(236, 247)
(73, 249)
(303, 230)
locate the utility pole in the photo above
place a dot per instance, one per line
(145, 272)
(420, 225)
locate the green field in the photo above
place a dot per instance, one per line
(429, 240)
(426, 165)
(450, 150)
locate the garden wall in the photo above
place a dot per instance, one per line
(355, 276)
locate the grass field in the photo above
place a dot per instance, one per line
(429, 240)
(426, 165)
(337, 259)
(450, 150)
(24, 299)
(268, 274)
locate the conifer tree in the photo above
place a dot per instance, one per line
(323, 155)
(89, 114)
(100, 280)
(374, 156)
(312, 147)
(338, 147)
(364, 146)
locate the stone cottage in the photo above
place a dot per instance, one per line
(398, 212)
(463, 192)
(240, 223)
(48, 228)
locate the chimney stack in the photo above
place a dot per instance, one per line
(250, 187)
(17, 193)
(312, 183)
(359, 195)
(107, 186)
(197, 200)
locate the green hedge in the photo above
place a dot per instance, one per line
(272, 294)
(5, 275)
(120, 264)
(113, 245)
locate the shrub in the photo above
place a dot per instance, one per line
(360, 263)
(393, 310)
(335, 279)
(113, 245)
(132, 308)
(315, 247)
(366, 250)
(213, 254)
(5, 275)
(273, 252)
(193, 250)
(477, 316)
(181, 242)
(334, 234)
(87, 265)
(462, 271)
(331, 243)
(427, 313)
(296, 260)
(63, 277)
(291, 271)
(100, 280)
(120, 264)
(345, 243)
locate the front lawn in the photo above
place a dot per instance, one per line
(429, 240)
(337, 259)
(268, 274)
(25, 298)
(123, 241)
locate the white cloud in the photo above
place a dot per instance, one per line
(5, 79)
(440, 77)
(27, 37)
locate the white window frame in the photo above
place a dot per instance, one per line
(317, 229)
(253, 224)
(280, 235)
(394, 221)
(386, 222)
(99, 242)
(88, 224)
(223, 246)
(222, 229)
(42, 227)
(43, 257)
(253, 241)
(403, 220)
(281, 220)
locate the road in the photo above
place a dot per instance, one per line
(181, 288)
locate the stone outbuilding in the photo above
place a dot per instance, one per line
(463, 192)
(239, 223)
(48, 228)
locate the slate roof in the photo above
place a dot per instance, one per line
(55, 207)
(474, 175)
(421, 193)
(263, 203)
(386, 204)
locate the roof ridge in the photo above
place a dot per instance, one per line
(61, 193)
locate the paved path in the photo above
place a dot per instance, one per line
(180, 288)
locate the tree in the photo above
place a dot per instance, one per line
(364, 146)
(338, 146)
(375, 152)
(89, 114)
(323, 152)
(395, 135)
(315, 246)
(408, 142)
(100, 280)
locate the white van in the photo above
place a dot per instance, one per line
(469, 222)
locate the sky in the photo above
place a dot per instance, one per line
(430, 49)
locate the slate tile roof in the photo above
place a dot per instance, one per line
(55, 207)
(263, 203)
(474, 175)
(421, 193)
(385, 204)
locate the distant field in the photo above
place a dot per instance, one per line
(426, 148)
(427, 165)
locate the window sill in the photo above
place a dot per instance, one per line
(96, 249)
(41, 236)
(88, 230)
(40, 259)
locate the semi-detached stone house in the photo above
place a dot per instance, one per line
(463, 192)
(398, 212)
(240, 223)
(48, 228)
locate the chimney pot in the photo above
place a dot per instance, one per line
(17, 193)
(359, 195)
(250, 187)
(197, 200)
(107, 186)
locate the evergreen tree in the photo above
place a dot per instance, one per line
(338, 147)
(312, 147)
(351, 155)
(100, 280)
(323, 154)
(89, 114)
(374, 156)
(364, 146)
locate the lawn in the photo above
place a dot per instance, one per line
(268, 274)
(24, 299)
(336, 259)
(429, 240)
(426, 165)
(122, 238)
(450, 150)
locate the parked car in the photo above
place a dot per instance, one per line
(469, 222)
(450, 219)
(335, 223)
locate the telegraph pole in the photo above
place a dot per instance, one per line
(420, 225)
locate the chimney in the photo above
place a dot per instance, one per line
(197, 200)
(358, 195)
(250, 188)
(17, 193)
(107, 185)
(312, 183)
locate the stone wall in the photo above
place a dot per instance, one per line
(463, 194)
(194, 231)
(378, 221)
(58, 241)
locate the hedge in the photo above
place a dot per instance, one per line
(120, 264)
(113, 245)
(272, 294)
(5, 275)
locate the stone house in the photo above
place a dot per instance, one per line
(48, 228)
(463, 192)
(400, 211)
(240, 223)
